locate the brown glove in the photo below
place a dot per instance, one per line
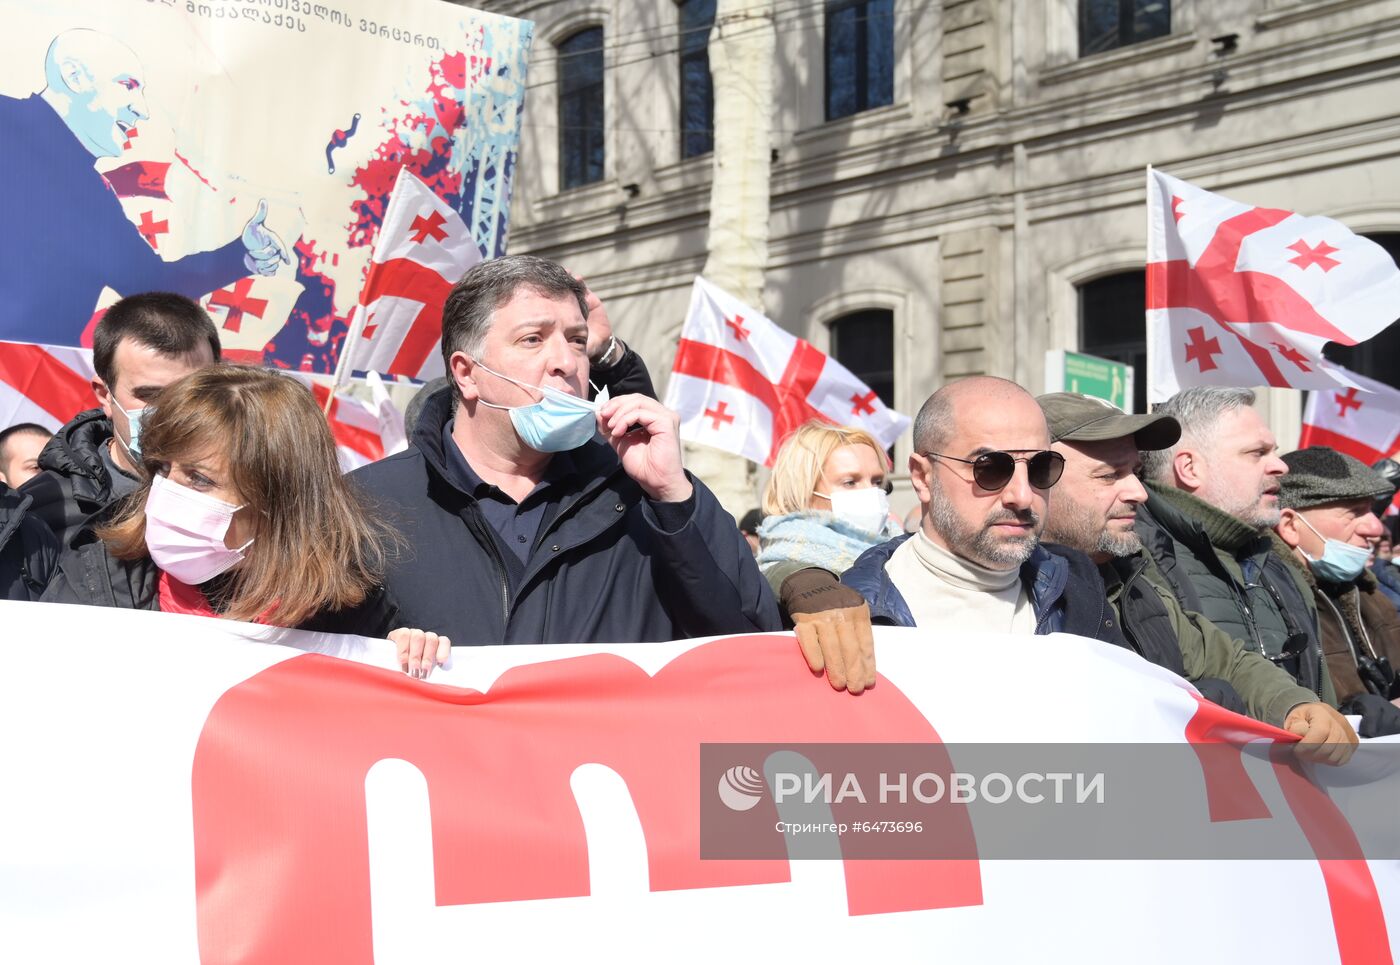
(832, 624)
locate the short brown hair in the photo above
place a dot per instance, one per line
(316, 546)
(170, 324)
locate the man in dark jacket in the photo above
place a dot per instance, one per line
(1095, 507)
(1328, 527)
(982, 469)
(28, 551)
(141, 345)
(522, 525)
(1213, 498)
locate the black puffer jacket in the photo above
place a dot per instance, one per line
(75, 482)
(28, 551)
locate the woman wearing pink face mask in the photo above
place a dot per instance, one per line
(244, 515)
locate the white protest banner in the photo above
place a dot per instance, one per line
(179, 791)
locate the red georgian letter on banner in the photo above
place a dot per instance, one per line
(281, 855)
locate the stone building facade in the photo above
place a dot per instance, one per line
(987, 203)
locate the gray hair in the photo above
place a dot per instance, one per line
(471, 305)
(1198, 410)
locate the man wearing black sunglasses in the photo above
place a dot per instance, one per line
(983, 471)
(1096, 506)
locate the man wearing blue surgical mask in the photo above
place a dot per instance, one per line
(534, 515)
(1330, 528)
(142, 344)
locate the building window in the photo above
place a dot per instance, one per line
(581, 108)
(1110, 24)
(1375, 357)
(864, 343)
(1113, 325)
(859, 56)
(697, 88)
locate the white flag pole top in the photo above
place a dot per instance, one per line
(1241, 295)
(741, 383)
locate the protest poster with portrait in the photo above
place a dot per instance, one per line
(240, 152)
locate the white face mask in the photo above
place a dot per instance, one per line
(865, 509)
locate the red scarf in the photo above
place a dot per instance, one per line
(177, 597)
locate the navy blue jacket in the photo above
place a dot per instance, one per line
(28, 551)
(603, 569)
(1065, 588)
(77, 239)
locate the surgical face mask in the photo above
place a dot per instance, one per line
(865, 509)
(133, 421)
(1340, 562)
(557, 423)
(185, 532)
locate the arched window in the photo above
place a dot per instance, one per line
(1113, 324)
(697, 89)
(1109, 24)
(864, 343)
(859, 56)
(581, 108)
(1379, 356)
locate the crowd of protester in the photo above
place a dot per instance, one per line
(544, 500)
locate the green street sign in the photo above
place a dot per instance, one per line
(1089, 375)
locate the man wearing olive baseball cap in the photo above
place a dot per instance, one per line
(1329, 528)
(1094, 511)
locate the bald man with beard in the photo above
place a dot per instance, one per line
(983, 469)
(71, 237)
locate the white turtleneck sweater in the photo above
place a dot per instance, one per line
(950, 593)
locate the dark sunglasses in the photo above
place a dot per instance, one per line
(993, 470)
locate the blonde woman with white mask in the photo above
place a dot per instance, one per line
(826, 502)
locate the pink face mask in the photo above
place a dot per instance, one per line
(185, 532)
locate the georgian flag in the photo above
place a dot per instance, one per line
(1238, 295)
(742, 384)
(44, 384)
(423, 248)
(364, 431)
(1364, 422)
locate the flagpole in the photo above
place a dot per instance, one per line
(1148, 325)
(342, 369)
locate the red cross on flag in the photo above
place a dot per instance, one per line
(44, 384)
(422, 249)
(1238, 295)
(740, 383)
(1364, 422)
(250, 312)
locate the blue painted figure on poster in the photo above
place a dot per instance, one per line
(70, 236)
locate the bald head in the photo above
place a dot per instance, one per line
(938, 420)
(97, 85)
(996, 528)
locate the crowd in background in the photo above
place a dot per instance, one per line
(544, 499)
